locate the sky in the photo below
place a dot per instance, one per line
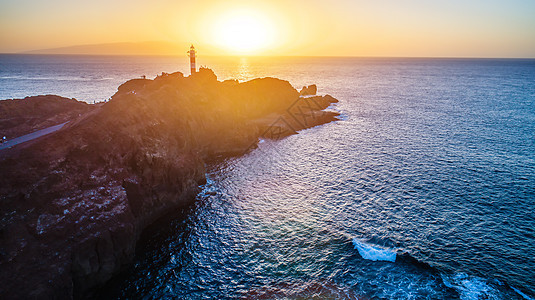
(394, 28)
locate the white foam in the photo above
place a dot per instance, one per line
(374, 253)
(470, 287)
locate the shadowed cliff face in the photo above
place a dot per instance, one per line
(75, 202)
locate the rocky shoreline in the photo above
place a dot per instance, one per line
(75, 202)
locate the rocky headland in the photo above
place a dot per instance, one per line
(74, 203)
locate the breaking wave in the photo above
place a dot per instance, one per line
(373, 252)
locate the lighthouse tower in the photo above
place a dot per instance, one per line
(191, 54)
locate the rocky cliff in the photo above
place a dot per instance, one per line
(74, 203)
(22, 116)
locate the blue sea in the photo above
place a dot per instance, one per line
(425, 189)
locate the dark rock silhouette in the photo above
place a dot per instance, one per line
(310, 90)
(74, 203)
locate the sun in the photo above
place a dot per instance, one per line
(243, 31)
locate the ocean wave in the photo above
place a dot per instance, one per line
(374, 252)
(470, 287)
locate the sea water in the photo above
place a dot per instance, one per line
(425, 189)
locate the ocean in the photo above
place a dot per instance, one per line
(425, 189)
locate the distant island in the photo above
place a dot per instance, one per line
(123, 48)
(75, 202)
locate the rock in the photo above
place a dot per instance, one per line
(310, 90)
(132, 85)
(75, 202)
(22, 116)
(204, 75)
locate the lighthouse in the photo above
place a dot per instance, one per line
(191, 54)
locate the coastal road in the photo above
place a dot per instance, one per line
(31, 136)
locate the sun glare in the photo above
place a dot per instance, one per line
(243, 31)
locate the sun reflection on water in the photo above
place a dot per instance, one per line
(244, 72)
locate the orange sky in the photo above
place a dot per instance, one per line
(419, 28)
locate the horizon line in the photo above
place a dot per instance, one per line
(266, 56)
